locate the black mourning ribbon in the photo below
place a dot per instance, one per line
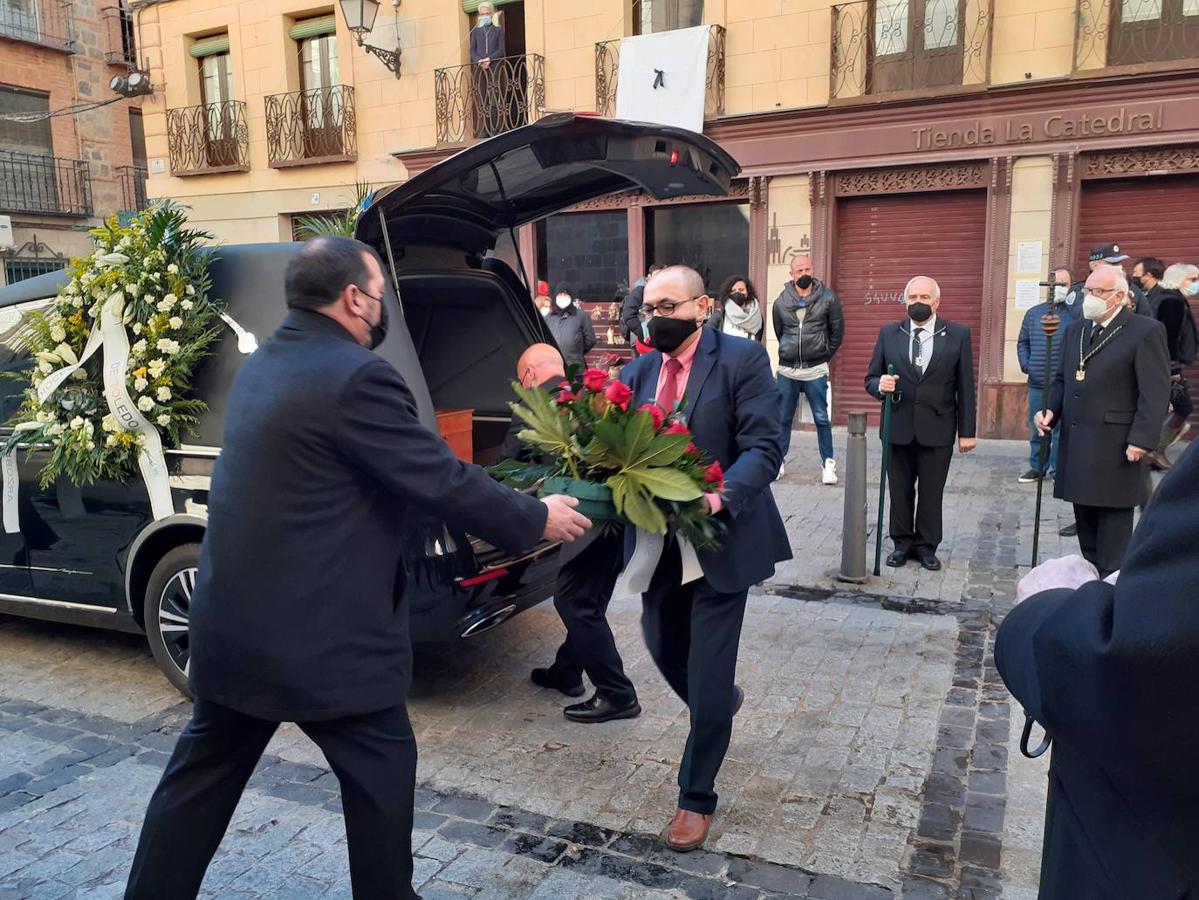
(659, 79)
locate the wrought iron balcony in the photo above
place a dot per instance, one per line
(118, 25)
(46, 22)
(475, 103)
(1149, 34)
(607, 72)
(910, 47)
(44, 184)
(133, 187)
(314, 126)
(209, 138)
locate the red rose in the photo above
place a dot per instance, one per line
(714, 475)
(619, 394)
(677, 428)
(594, 380)
(565, 396)
(692, 450)
(656, 414)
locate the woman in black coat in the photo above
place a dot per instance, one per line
(740, 313)
(1110, 671)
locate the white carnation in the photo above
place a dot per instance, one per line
(176, 322)
(46, 367)
(140, 347)
(58, 333)
(164, 394)
(79, 375)
(140, 384)
(109, 423)
(164, 420)
(166, 345)
(186, 304)
(133, 289)
(112, 441)
(145, 404)
(91, 445)
(157, 366)
(137, 327)
(77, 423)
(173, 269)
(191, 290)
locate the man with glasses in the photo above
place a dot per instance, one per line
(1110, 393)
(724, 388)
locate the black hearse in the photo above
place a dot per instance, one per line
(94, 555)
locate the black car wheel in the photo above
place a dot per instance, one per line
(168, 612)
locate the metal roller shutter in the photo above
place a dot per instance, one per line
(881, 243)
(1145, 217)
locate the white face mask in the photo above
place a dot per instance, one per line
(563, 301)
(1059, 292)
(1094, 308)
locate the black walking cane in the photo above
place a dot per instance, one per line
(1049, 324)
(888, 402)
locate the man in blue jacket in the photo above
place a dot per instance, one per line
(1032, 350)
(297, 615)
(724, 387)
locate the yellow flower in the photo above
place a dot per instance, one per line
(140, 373)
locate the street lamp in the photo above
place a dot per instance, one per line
(360, 18)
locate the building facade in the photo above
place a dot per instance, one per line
(71, 151)
(978, 141)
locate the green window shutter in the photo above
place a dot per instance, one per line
(470, 7)
(210, 46)
(313, 27)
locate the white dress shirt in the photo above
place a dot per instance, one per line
(926, 342)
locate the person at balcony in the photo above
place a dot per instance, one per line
(1110, 393)
(487, 49)
(295, 616)
(1032, 350)
(584, 589)
(810, 326)
(571, 327)
(934, 401)
(1110, 255)
(631, 324)
(543, 301)
(725, 389)
(1178, 283)
(740, 313)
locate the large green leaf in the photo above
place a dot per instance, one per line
(635, 504)
(668, 484)
(665, 450)
(548, 428)
(626, 441)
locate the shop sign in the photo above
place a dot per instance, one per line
(1025, 129)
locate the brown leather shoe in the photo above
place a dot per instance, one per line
(1158, 461)
(687, 830)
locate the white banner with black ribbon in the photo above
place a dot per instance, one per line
(647, 553)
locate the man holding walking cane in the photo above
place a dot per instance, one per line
(934, 388)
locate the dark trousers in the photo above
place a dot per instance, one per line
(1103, 535)
(372, 755)
(582, 596)
(692, 632)
(916, 478)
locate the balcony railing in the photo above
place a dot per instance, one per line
(311, 126)
(475, 103)
(209, 138)
(911, 46)
(1135, 33)
(44, 184)
(133, 187)
(118, 24)
(46, 22)
(607, 72)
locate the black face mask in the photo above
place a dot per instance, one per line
(803, 282)
(919, 312)
(738, 297)
(1136, 282)
(377, 332)
(668, 335)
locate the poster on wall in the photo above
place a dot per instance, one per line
(663, 78)
(1028, 294)
(1028, 257)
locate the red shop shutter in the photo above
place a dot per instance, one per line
(881, 243)
(1156, 216)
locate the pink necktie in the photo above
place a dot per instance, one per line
(669, 395)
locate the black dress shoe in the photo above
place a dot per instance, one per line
(738, 698)
(897, 559)
(548, 678)
(601, 709)
(929, 560)
(1070, 530)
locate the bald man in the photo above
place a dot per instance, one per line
(933, 391)
(584, 590)
(1110, 394)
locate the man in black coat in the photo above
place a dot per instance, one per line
(934, 403)
(1109, 670)
(1111, 392)
(631, 325)
(296, 615)
(589, 571)
(571, 327)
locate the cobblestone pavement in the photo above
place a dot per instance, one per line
(875, 755)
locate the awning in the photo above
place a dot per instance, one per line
(316, 27)
(209, 46)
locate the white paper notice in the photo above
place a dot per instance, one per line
(1028, 294)
(1028, 256)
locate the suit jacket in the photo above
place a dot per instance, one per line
(732, 408)
(1123, 400)
(1109, 670)
(297, 614)
(487, 42)
(935, 408)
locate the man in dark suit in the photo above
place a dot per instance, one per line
(296, 615)
(1111, 393)
(589, 571)
(1109, 670)
(933, 387)
(725, 389)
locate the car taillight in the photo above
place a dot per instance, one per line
(482, 579)
(674, 157)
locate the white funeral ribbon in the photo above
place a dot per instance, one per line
(647, 553)
(107, 332)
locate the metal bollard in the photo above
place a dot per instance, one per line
(853, 525)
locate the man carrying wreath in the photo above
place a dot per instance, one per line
(725, 390)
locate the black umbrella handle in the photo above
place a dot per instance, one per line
(1027, 733)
